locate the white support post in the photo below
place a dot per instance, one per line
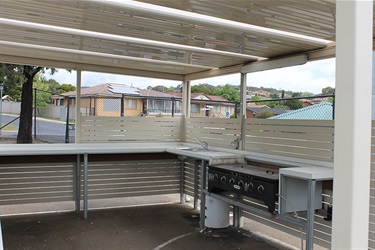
(188, 98)
(185, 108)
(243, 105)
(354, 23)
(186, 94)
(78, 107)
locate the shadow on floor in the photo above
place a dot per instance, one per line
(148, 227)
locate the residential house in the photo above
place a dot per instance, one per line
(159, 103)
(113, 99)
(310, 102)
(261, 93)
(321, 111)
(203, 105)
(105, 100)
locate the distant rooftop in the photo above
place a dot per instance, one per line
(112, 89)
(257, 110)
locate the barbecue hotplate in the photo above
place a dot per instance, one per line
(251, 181)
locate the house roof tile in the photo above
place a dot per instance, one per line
(259, 109)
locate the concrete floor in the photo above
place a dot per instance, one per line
(171, 226)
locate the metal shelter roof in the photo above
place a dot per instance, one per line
(173, 39)
(321, 111)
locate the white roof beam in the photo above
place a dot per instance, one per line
(274, 64)
(12, 59)
(124, 39)
(3, 49)
(212, 21)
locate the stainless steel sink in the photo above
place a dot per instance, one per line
(197, 149)
(200, 150)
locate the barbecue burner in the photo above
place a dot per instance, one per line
(251, 181)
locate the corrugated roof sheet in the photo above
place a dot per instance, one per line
(321, 111)
(117, 36)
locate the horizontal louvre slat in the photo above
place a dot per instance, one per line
(37, 194)
(93, 191)
(36, 200)
(297, 136)
(311, 140)
(289, 150)
(305, 123)
(132, 194)
(319, 238)
(32, 169)
(35, 190)
(132, 184)
(296, 143)
(213, 137)
(35, 181)
(290, 129)
(216, 131)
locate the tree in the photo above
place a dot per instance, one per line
(26, 75)
(293, 104)
(229, 92)
(159, 88)
(65, 88)
(297, 94)
(274, 96)
(307, 94)
(328, 91)
(264, 114)
(12, 82)
(200, 89)
(43, 95)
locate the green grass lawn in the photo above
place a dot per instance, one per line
(9, 127)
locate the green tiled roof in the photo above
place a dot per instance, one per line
(321, 111)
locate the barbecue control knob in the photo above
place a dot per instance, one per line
(223, 179)
(260, 189)
(216, 177)
(231, 181)
(251, 186)
(240, 183)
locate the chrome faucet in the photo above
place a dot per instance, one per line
(203, 144)
(236, 143)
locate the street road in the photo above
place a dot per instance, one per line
(48, 130)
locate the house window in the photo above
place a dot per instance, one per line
(195, 108)
(217, 109)
(130, 103)
(110, 105)
(156, 106)
(177, 106)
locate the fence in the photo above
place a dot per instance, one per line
(122, 105)
(63, 108)
(122, 129)
(299, 108)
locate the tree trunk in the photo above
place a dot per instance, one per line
(26, 116)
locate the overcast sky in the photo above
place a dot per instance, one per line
(311, 77)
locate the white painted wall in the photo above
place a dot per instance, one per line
(11, 108)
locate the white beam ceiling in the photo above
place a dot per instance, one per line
(170, 39)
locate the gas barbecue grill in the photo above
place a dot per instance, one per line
(252, 181)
